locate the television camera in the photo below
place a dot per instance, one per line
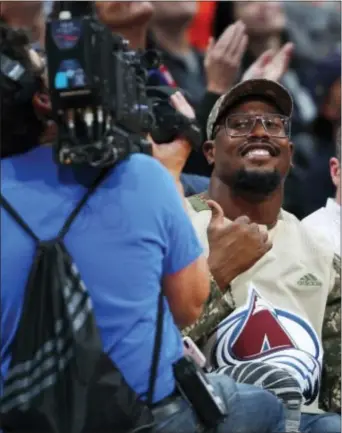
(97, 88)
(99, 92)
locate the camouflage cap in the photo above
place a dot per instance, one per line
(265, 89)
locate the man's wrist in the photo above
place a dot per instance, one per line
(225, 291)
(222, 280)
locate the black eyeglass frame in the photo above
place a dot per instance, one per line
(224, 122)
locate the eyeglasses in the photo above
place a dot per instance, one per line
(240, 125)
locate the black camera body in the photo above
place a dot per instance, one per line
(97, 89)
(169, 123)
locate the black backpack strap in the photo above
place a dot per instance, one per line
(156, 349)
(82, 202)
(14, 214)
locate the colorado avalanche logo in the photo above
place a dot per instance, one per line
(259, 332)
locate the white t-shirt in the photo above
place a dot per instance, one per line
(280, 305)
(327, 222)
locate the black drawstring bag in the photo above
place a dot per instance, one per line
(59, 380)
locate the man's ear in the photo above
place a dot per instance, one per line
(209, 151)
(335, 171)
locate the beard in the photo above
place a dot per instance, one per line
(254, 183)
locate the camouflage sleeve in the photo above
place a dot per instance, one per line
(330, 393)
(217, 308)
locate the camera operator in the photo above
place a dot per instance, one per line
(125, 247)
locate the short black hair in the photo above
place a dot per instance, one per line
(20, 127)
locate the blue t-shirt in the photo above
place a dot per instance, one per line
(130, 233)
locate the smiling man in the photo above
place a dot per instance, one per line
(275, 311)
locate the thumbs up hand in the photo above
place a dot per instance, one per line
(234, 246)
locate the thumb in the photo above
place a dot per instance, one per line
(217, 215)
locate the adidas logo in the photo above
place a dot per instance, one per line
(309, 280)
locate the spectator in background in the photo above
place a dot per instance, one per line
(327, 220)
(315, 27)
(309, 183)
(266, 27)
(185, 63)
(128, 18)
